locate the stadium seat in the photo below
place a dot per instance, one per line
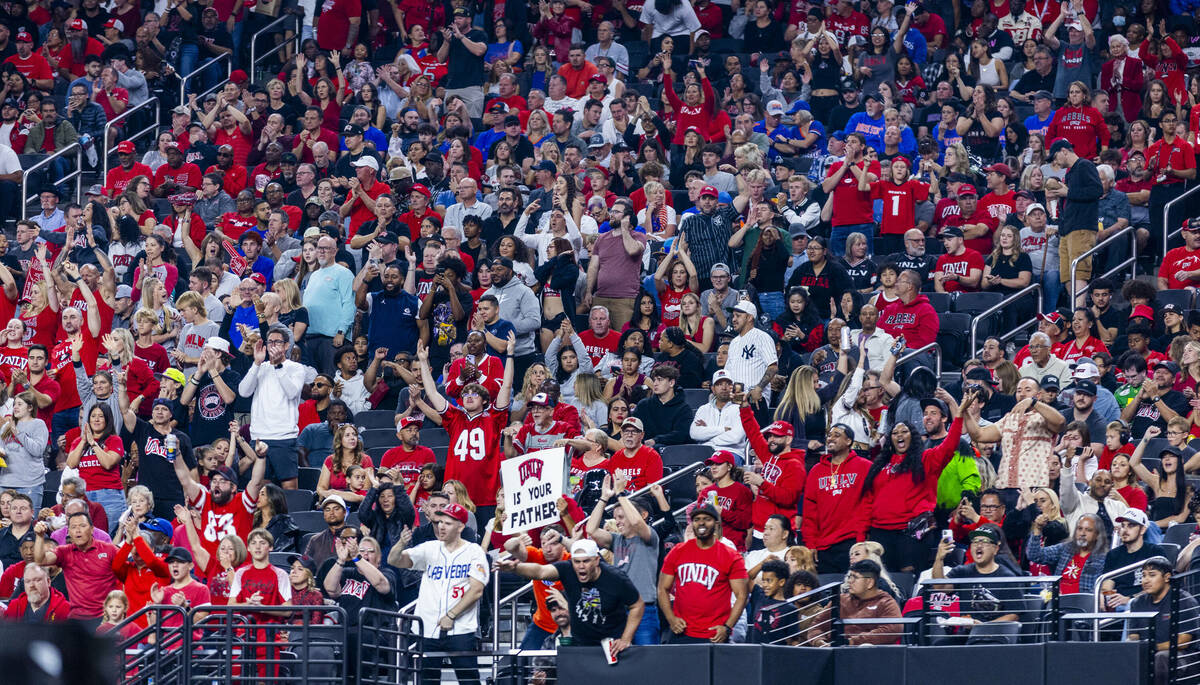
(975, 303)
(696, 397)
(680, 200)
(1171, 549)
(904, 582)
(682, 455)
(952, 336)
(995, 633)
(827, 578)
(308, 477)
(282, 559)
(379, 418)
(299, 500)
(1182, 298)
(376, 453)
(434, 437)
(942, 302)
(380, 437)
(309, 521)
(1179, 533)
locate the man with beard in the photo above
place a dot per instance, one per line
(1080, 559)
(391, 317)
(777, 474)
(329, 299)
(212, 389)
(118, 178)
(833, 516)
(321, 546)
(705, 576)
(604, 603)
(49, 135)
(223, 511)
(503, 221)
(718, 423)
(83, 47)
(403, 462)
(980, 603)
(38, 601)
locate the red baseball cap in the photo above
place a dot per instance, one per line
(77, 25)
(721, 457)
(125, 147)
(455, 511)
(1143, 310)
(24, 37)
(709, 190)
(782, 428)
(408, 421)
(238, 76)
(258, 278)
(419, 188)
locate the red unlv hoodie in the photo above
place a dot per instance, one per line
(783, 476)
(736, 502)
(917, 321)
(834, 506)
(896, 499)
(58, 611)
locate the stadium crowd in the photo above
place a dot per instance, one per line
(624, 228)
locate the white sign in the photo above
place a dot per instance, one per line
(532, 485)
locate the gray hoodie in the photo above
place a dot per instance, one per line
(520, 307)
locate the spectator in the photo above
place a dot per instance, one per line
(86, 564)
(833, 516)
(717, 423)
(1156, 591)
(864, 599)
(275, 410)
(39, 602)
(1131, 529)
(322, 546)
(666, 416)
(329, 300)
(1079, 560)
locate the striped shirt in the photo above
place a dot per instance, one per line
(749, 356)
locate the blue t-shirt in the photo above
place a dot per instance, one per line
(1035, 125)
(500, 329)
(872, 129)
(916, 46)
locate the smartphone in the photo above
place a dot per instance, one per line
(947, 536)
(739, 388)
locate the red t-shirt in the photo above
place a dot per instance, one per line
(1071, 574)
(1071, 351)
(703, 593)
(845, 28)
(89, 576)
(410, 463)
(233, 179)
(672, 305)
(101, 98)
(12, 358)
(851, 205)
(359, 214)
(1179, 259)
(33, 67)
(337, 481)
(961, 264)
(118, 178)
(40, 328)
(899, 204)
(998, 206)
(187, 174)
(106, 312)
(1178, 154)
(598, 346)
(63, 370)
(642, 469)
(96, 476)
(333, 22)
(233, 225)
(270, 582)
(238, 140)
(474, 456)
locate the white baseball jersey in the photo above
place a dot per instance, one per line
(749, 356)
(447, 578)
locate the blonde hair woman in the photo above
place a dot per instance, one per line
(700, 331)
(457, 492)
(589, 395)
(872, 550)
(535, 375)
(800, 405)
(292, 312)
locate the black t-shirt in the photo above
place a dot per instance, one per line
(154, 471)
(357, 591)
(691, 367)
(1148, 414)
(466, 68)
(862, 275)
(830, 284)
(212, 414)
(985, 602)
(599, 608)
(979, 142)
(923, 265)
(1006, 269)
(444, 331)
(1189, 613)
(1130, 583)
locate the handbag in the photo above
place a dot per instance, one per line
(919, 526)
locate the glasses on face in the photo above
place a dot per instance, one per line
(324, 249)
(991, 506)
(469, 394)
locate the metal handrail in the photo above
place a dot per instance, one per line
(1096, 590)
(688, 470)
(152, 102)
(77, 174)
(1167, 232)
(1132, 259)
(269, 28)
(1001, 305)
(183, 80)
(510, 600)
(921, 350)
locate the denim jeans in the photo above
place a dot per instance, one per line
(62, 422)
(34, 492)
(837, 237)
(648, 631)
(189, 58)
(772, 304)
(534, 637)
(1051, 289)
(113, 502)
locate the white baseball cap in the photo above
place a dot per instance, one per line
(746, 308)
(367, 161)
(585, 549)
(721, 375)
(1085, 370)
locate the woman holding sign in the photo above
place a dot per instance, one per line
(475, 449)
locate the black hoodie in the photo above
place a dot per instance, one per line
(666, 424)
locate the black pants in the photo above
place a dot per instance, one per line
(901, 552)
(687, 640)
(835, 558)
(466, 668)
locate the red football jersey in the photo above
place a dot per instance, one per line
(235, 517)
(475, 451)
(530, 439)
(703, 593)
(642, 469)
(899, 204)
(597, 347)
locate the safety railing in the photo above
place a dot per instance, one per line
(1183, 665)
(510, 602)
(1141, 623)
(390, 646)
(1000, 306)
(184, 79)
(913, 354)
(1097, 592)
(814, 621)
(74, 149)
(989, 603)
(247, 643)
(269, 30)
(1168, 232)
(153, 105)
(1128, 232)
(152, 651)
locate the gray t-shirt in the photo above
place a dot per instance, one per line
(723, 181)
(639, 561)
(24, 456)
(192, 339)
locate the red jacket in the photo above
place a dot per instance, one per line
(834, 506)
(896, 499)
(736, 504)
(687, 116)
(1083, 126)
(783, 475)
(917, 321)
(138, 580)
(58, 611)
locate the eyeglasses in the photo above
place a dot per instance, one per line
(991, 506)
(470, 393)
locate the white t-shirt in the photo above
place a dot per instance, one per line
(9, 163)
(447, 578)
(749, 357)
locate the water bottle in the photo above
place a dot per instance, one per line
(172, 444)
(89, 148)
